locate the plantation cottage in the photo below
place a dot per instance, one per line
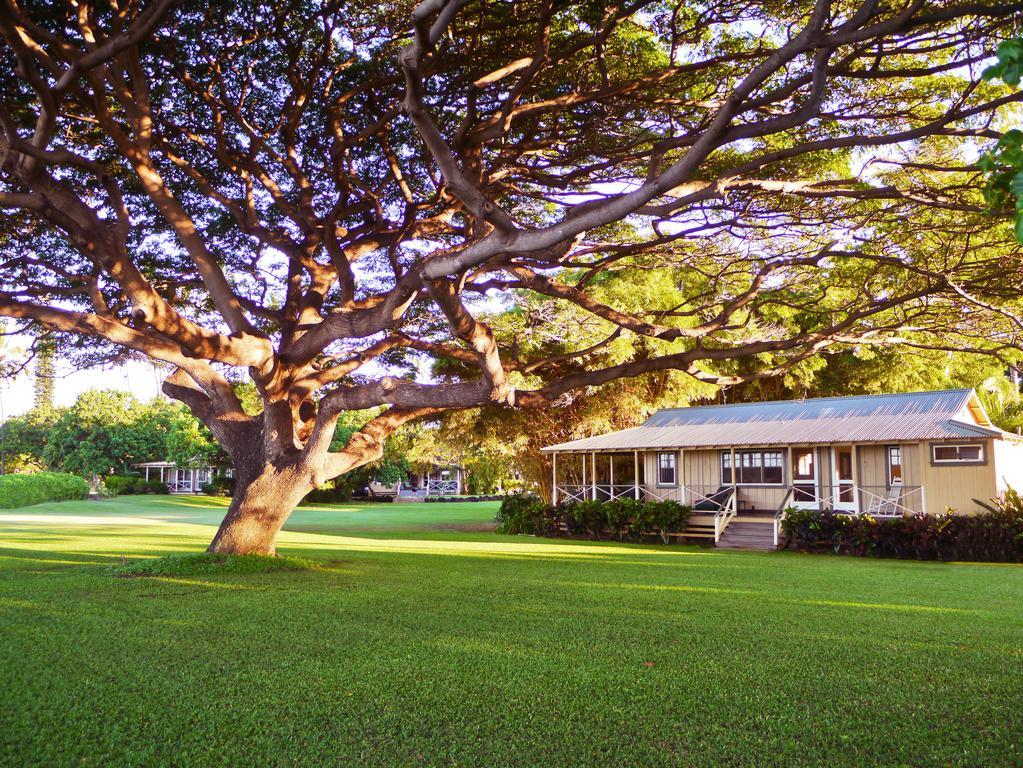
(740, 465)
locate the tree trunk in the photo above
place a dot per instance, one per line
(258, 511)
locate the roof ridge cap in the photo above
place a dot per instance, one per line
(957, 390)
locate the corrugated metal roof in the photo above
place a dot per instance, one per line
(910, 416)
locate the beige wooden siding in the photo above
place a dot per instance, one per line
(649, 460)
(872, 468)
(872, 475)
(824, 472)
(956, 486)
(703, 470)
(1008, 465)
(912, 466)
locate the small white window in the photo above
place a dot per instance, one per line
(666, 469)
(894, 464)
(957, 454)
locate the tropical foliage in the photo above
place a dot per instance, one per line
(22, 490)
(632, 519)
(106, 432)
(1004, 164)
(994, 536)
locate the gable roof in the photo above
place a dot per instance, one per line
(907, 417)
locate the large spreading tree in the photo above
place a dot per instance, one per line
(323, 195)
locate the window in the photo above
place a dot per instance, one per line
(753, 467)
(957, 454)
(666, 469)
(894, 464)
(804, 475)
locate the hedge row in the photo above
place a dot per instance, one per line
(23, 490)
(129, 485)
(456, 499)
(620, 518)
(995, 536)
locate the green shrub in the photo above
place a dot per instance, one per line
(661, 518)
(527, 513)
(586, 517)
(995, 536)
(329, 493)
(219, 485)
(124, 485)
(156, 486)
(619, 513)
(23, 490)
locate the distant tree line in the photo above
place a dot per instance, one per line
(105, 432)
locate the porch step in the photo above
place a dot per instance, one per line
(747, 535)
(408, 499)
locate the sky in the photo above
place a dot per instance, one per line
(141, 379)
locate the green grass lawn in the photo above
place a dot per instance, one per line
(417, 643)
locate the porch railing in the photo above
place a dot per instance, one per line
(876, 500)
(571, 493)
(674, 493)
(779, 515)
(686, 494)
(183, 485)
(607, 492)
(441, 487)
(890, 501)
(725, 515)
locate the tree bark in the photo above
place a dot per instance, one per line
(260, 507)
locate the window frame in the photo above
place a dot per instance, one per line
(674, 468)
(936, 462)
(736, 470)
(888, 464)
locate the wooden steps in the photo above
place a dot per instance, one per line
(749, 533)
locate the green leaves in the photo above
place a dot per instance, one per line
(1009, 68)
(1003, 166)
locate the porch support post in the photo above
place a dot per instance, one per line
(635, 474)
(147, 474)
(735, 473)
(584, 476)
(554, 478)
(856, 477)
(680, 469)
(611, 473)
(593, 475)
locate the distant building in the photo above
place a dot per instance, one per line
(178, 479)
(443, 479)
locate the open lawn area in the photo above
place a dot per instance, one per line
(425, 640)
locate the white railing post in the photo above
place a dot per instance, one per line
(635, 474)
(593, 473)
(554, 479)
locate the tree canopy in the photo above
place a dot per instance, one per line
(326, 196)
(107, 432)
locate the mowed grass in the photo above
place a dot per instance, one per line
(380, 518)
(451, 648)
